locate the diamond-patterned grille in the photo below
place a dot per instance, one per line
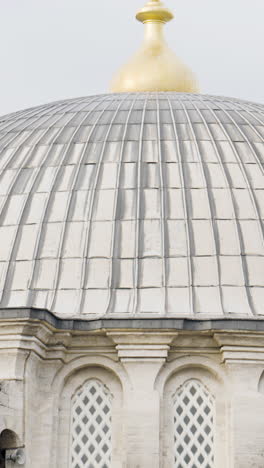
(193, 423)
(91, 427)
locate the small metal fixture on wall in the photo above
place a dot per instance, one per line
(17, 456)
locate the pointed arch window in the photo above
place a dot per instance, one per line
(91, 426)
(193, 426)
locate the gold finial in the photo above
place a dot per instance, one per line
(154, 11)
(154, 67)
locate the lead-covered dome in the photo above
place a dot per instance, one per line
(140, 204)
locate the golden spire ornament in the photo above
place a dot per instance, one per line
(154, 67)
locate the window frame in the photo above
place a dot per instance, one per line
(74, 384)
(215, 388)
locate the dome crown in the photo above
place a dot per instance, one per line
(142, 205)
(154, 67)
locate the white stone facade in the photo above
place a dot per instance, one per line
(42, 369)
(132, 283)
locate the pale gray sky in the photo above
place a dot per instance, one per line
(57, 49)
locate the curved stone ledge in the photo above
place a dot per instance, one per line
(188, 324)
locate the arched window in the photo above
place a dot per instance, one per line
(9, 441)
(193, 426)
(91, 431)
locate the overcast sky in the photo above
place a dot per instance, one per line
(57, 49)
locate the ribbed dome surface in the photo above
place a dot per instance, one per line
(141, 204)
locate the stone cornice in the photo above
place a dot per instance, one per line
(80, 324)
(51, 338)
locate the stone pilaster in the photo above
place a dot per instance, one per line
(142, 355)
(243, 357)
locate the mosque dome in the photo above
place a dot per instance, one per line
(132, 274)
(142, 204)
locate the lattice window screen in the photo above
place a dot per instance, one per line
(193, 426)
(91, 427)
